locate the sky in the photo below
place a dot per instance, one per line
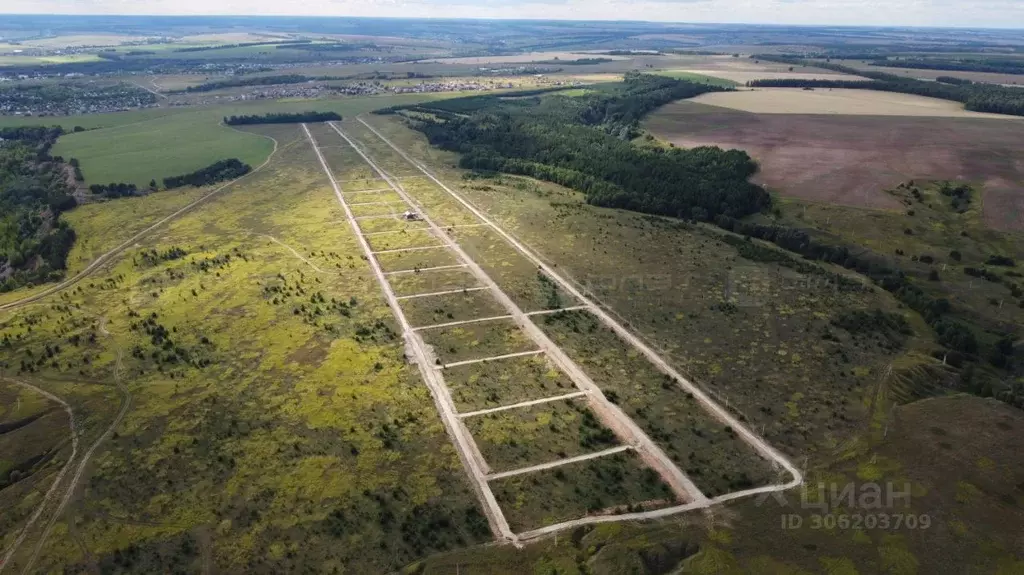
(956, 13)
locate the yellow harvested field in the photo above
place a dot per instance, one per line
(522, 58)
(920, 74)
(839, 102)
(78, 40)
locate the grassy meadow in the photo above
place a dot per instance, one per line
(315, 433)
(139, 145)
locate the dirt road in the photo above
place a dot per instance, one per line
(52, 491)
(628, 432)
(466, 448)
(720, 413)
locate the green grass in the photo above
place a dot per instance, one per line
(709, 453)
(612, 483)
(451, 307)
(285, 393)
(670, 282)
(434, 281)
(140, 145)
(542, 433)
(477, 340)
(514, 272)
(159, 148)
(510, 381)
(936, 230)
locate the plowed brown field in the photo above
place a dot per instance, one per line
(852, 159)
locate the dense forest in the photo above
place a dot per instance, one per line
(217, 172)
(281, 118)
(114, 190)
(257, 81)
(993, 65)
(34, 190)
(584, 143)
(975, 96)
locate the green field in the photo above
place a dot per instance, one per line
(155, 149)
(141, 145)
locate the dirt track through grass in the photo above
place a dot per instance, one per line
(721, 414)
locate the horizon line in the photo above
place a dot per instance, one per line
(517, 19)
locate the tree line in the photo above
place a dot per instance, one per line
(220, 171)
(976, 96)
(283, 118)
(992, 65)
(257, 81)
(241, 45)
(217, 172)
(584, 143)
(34, 191)
(114, 190)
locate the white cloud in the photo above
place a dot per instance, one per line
(980, 13)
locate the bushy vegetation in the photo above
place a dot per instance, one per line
(217, 172)
(114, 190)
(975, 96)
(891, 325)
(283, 118)
(584, 143)
(960, 195)
(34, 190)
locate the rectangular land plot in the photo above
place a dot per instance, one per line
(402, 239)
(417, 259)
(362, 178)
(351, 171)
(442, 208)
(431, 310)
(379, 208)
(432, 281)
(525, 436)
(530, 289)
(612, 484)
(477, 340)
(378, 225)
(710, 453)
(353, 198)
(505, 382)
